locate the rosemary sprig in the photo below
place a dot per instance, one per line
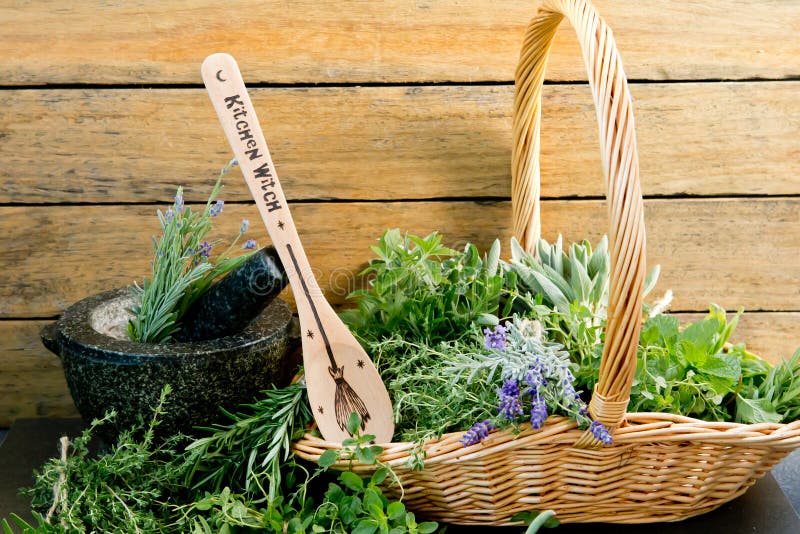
(249, 450)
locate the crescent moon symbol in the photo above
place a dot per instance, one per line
(219, 76)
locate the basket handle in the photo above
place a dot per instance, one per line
(621, 170)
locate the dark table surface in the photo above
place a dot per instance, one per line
(763, 509)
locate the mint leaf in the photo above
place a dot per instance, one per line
(366, 526)
(353, 423)
(664, 328)
(396, 511)
(755, 411)
(723, 365)
(692, 354)
(379, 476)
(703, 334)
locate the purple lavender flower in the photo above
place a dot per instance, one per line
(169, 215)
(509, 406)
(601, 432)
(495, 339)
(216, 209)
(245, 225)
(229, 166)
(250, 244)
(571, 397)
(538, 412)
(535, 380)
(477, 433)
(179, 202)
(205, 249)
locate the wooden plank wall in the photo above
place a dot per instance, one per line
(379, 114)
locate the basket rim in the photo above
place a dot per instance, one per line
(641, 428)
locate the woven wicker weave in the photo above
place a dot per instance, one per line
(661, 467)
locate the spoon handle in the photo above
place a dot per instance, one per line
(238, 117)
(346, 382)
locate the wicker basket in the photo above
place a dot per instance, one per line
(661, 467)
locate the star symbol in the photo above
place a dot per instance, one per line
(360, 364)
(281, 224)
(310, 334)
(320, 410)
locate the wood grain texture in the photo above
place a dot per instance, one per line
(392, 142)
(735, 252)
(320, 41)
(32, 380)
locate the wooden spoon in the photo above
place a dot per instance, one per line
(340, 377)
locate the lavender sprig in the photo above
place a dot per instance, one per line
(495, 339)
(510, 406)
(527, 359)
(216, 208)
(601, 432)
(182, 267)
(477, 433)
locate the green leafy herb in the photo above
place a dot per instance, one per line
(123, 490)
(779, 393)
(425, 292)
(426, 401)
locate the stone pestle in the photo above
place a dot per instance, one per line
(233, 301)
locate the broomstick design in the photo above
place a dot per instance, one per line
(346, 400)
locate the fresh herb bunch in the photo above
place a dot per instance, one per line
(695, 372)
(123, 490)
(182, 268)
(686, 372)
(536, 376)
(262, 431)
(778, 393)
(447, 387)
(139, 487)
(568, 293)
(425, 292)
(426, 402)
(564, 278)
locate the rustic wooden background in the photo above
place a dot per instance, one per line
(387, 114)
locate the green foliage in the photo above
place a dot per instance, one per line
(358, 506)
(692, 372)
(537, 520)
(562, 278)
(426, 402)
(250, 450)
(568, 293)
(181, 268)
(776, 398)
(122, 490)
(138, 486)
(686, 372)
(425, 292)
